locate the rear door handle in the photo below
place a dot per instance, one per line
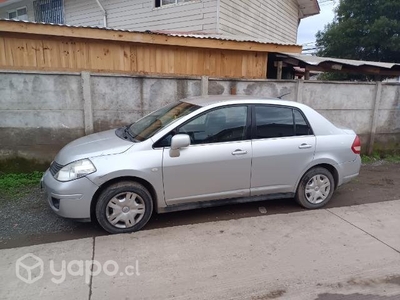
(305, 146)
(239, 152)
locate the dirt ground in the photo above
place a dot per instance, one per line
(29, 220)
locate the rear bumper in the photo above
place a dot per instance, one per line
(70, 199)
(349, 170)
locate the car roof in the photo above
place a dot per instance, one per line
(210, 100)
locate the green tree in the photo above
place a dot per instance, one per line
(362, 30)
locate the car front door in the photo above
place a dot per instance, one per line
(283, 146)
(217, 163)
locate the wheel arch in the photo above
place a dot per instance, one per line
(330, 167)
(106, 184)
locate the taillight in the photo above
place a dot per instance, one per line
(356, 147)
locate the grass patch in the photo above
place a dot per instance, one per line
(393, 158)
(19, 184)
(366, 159)
(376, 157)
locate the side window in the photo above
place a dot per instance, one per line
(220, 125)
(273, 122)
(18, 14)
(302, 127)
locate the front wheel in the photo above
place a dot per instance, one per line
(315, 188)
(124, 207)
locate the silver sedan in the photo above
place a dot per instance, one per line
(202, 152)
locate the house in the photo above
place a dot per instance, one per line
(273, 20)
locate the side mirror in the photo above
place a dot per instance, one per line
(177, 142)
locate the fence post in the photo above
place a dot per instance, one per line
(375, 115)
(204, 85)
(87, 103)
(299, 90)
(279, 71)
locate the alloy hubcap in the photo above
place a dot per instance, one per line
(125, 210)
(317, 189)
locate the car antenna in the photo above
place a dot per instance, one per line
(281, 96)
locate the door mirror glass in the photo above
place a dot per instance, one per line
(178, 141)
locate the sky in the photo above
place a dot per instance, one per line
(310, 26)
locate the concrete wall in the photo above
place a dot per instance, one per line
(122, 100)
(41, 112)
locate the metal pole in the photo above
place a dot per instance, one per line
(104, 13)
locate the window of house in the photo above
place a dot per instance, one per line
(18, 14)
(49, 11)
(160, 3)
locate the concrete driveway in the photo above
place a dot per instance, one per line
(336, 253)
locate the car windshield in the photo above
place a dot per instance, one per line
(154, 122)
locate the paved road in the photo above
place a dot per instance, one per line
(342, 253)
(29, 221)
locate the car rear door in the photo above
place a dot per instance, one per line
(283, 147)
(217, 164)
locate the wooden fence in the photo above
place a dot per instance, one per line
(30, 46)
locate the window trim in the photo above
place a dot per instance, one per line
(254, 125)
(173, 4)
(16, 12)
(248, 128)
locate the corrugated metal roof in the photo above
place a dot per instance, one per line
(197, 35)
(316, 61)
(7, 2)
(309, 7)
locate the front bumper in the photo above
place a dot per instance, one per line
(70, 199)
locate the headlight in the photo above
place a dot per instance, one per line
(76, 169)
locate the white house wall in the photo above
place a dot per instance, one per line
(275, 20)
(26, 3)
(198, 15)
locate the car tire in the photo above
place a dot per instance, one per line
(315, 188)
(123, 207)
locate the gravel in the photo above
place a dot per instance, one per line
(29, 215)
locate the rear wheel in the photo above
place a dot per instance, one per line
(124, 207)
(315, 188)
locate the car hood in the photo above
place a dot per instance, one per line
(97, 144)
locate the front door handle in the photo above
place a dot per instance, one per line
(305, 146)
(239, 152)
